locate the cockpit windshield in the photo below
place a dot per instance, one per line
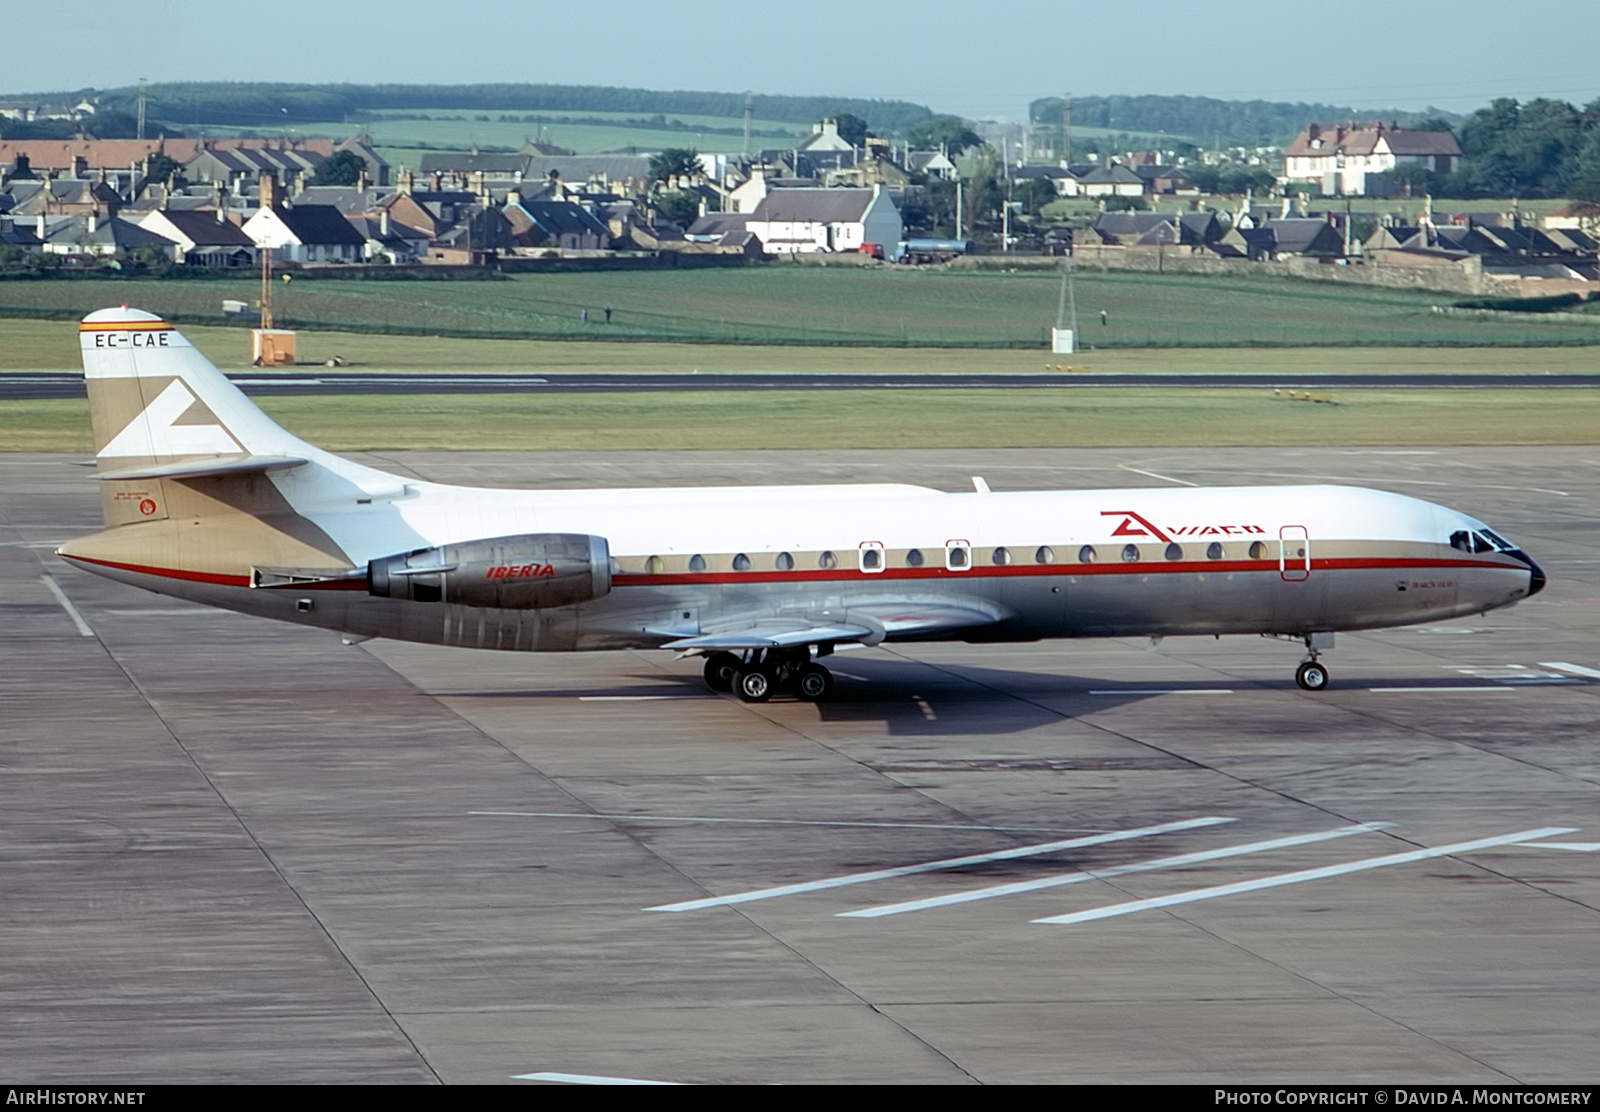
(1480, 540)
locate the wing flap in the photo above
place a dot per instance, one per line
(870, 624)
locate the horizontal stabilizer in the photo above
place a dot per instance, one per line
(200, 468)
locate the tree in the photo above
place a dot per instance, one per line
(681, 208)
(1034, 194)
(852, 128)
(340, 168)
(161, 167)
(675, 162)
(950, 132)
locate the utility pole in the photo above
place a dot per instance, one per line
(958, 208)
(141, 109)
(747, 123)
(1066, 128)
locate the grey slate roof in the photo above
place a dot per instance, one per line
(205, 230)
(818, 206)
(319, 224)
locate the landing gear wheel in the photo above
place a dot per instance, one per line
(1311, 676)
(756, 684)
(720, 670)
(813, 683)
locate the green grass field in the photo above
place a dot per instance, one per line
(884, 306)
(53, 345)
(1087, 418)
(452, 129)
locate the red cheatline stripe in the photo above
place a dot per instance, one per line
(220, 580)
(127, 326)
(1191, 567)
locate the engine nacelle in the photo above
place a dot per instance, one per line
(527, 572)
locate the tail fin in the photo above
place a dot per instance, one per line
(157, 402)
(162, 413)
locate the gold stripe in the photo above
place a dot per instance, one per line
(129, 326)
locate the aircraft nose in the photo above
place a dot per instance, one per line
(1536, 578)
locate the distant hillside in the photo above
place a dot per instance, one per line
(1207, 120)
(259, 105)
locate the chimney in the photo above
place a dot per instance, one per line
(269, 191)
(383, 223)
(361, 179)
(406, 181)
(40, 228)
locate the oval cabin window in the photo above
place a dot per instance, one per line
(827, 561)
(914, 558)
(1087, 554)
(1214, 551)
(1001, 556)
(741, 562)
(1130, 554)
(1174, 552)
(697, 562)
(784, 562)
(655, 565)
(1045, 555)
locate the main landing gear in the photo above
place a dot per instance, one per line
(763, 673)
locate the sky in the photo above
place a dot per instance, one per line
(959, 57)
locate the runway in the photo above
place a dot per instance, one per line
(21, 385)
(237, 851)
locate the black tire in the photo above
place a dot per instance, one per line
(721, 668)
(813, 683)
(1311, 676)
(755, 685)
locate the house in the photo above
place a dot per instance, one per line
(933, 164)
(302, 233)
(1350, 161)
(89, 234)
(1063, 180)
(811, 220)
(1149, 229)
(387, 238)
(204, 238)
(559, 224)
(1115, 180)
(825, 138)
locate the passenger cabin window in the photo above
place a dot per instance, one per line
(871, 556)
(697, 562)
(1214, 551)
(1130, 554)
(741, 562)
(1045, 555)
(655, 565)
(1174, 552)
(827, 561)
(1258, 550)
(955, 555)
(914, 558)
(784, 562)
(1001, 556)
(1087, 554)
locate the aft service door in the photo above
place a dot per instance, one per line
(1294, 553)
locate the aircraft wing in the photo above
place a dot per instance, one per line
(868, 624)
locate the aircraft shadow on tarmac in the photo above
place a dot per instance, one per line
(906, 697)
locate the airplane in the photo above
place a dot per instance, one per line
(207, 499)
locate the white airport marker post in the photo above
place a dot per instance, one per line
(1197, 894)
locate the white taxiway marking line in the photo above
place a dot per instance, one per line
(1154, 475)
(935, 866)
(634, 698)
(66, 604)
(1166, 691)
(1577, 847)
(772, 822)
(588, 1079)
(1434, 690)
(1575, 669)
(1061, 879)
(1196, 894)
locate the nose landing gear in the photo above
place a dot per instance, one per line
(1312, 675)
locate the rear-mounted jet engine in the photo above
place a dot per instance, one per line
(527, 572)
